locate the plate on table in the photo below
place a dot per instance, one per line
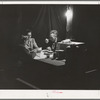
(50, 51)
(45, 50)
(59, 50)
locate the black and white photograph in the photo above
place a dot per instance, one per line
(50, 47)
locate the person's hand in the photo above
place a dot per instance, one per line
(49, 48)
(39, 49)
(46, 40)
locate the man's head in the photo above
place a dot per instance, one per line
(29, 34)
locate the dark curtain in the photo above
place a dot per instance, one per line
(41, 19)
(16, 19)
(86, 24)
(8, 27)
(49, 17)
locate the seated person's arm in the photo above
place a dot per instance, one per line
(37, 49)
(48, 44)
(46, 40)
(49, 48)
(27, 48)
(35, 44)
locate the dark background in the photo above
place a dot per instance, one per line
(16, 19)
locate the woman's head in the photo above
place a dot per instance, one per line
(54, 32)
(53, 35)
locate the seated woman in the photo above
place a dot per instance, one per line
(52, 41)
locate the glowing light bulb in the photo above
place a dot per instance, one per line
(69, 14)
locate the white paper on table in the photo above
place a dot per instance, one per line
(40, 55)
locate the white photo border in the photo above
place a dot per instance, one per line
(49, 94)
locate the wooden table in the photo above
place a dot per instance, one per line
(41, 57)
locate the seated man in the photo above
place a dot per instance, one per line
(30, 44)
